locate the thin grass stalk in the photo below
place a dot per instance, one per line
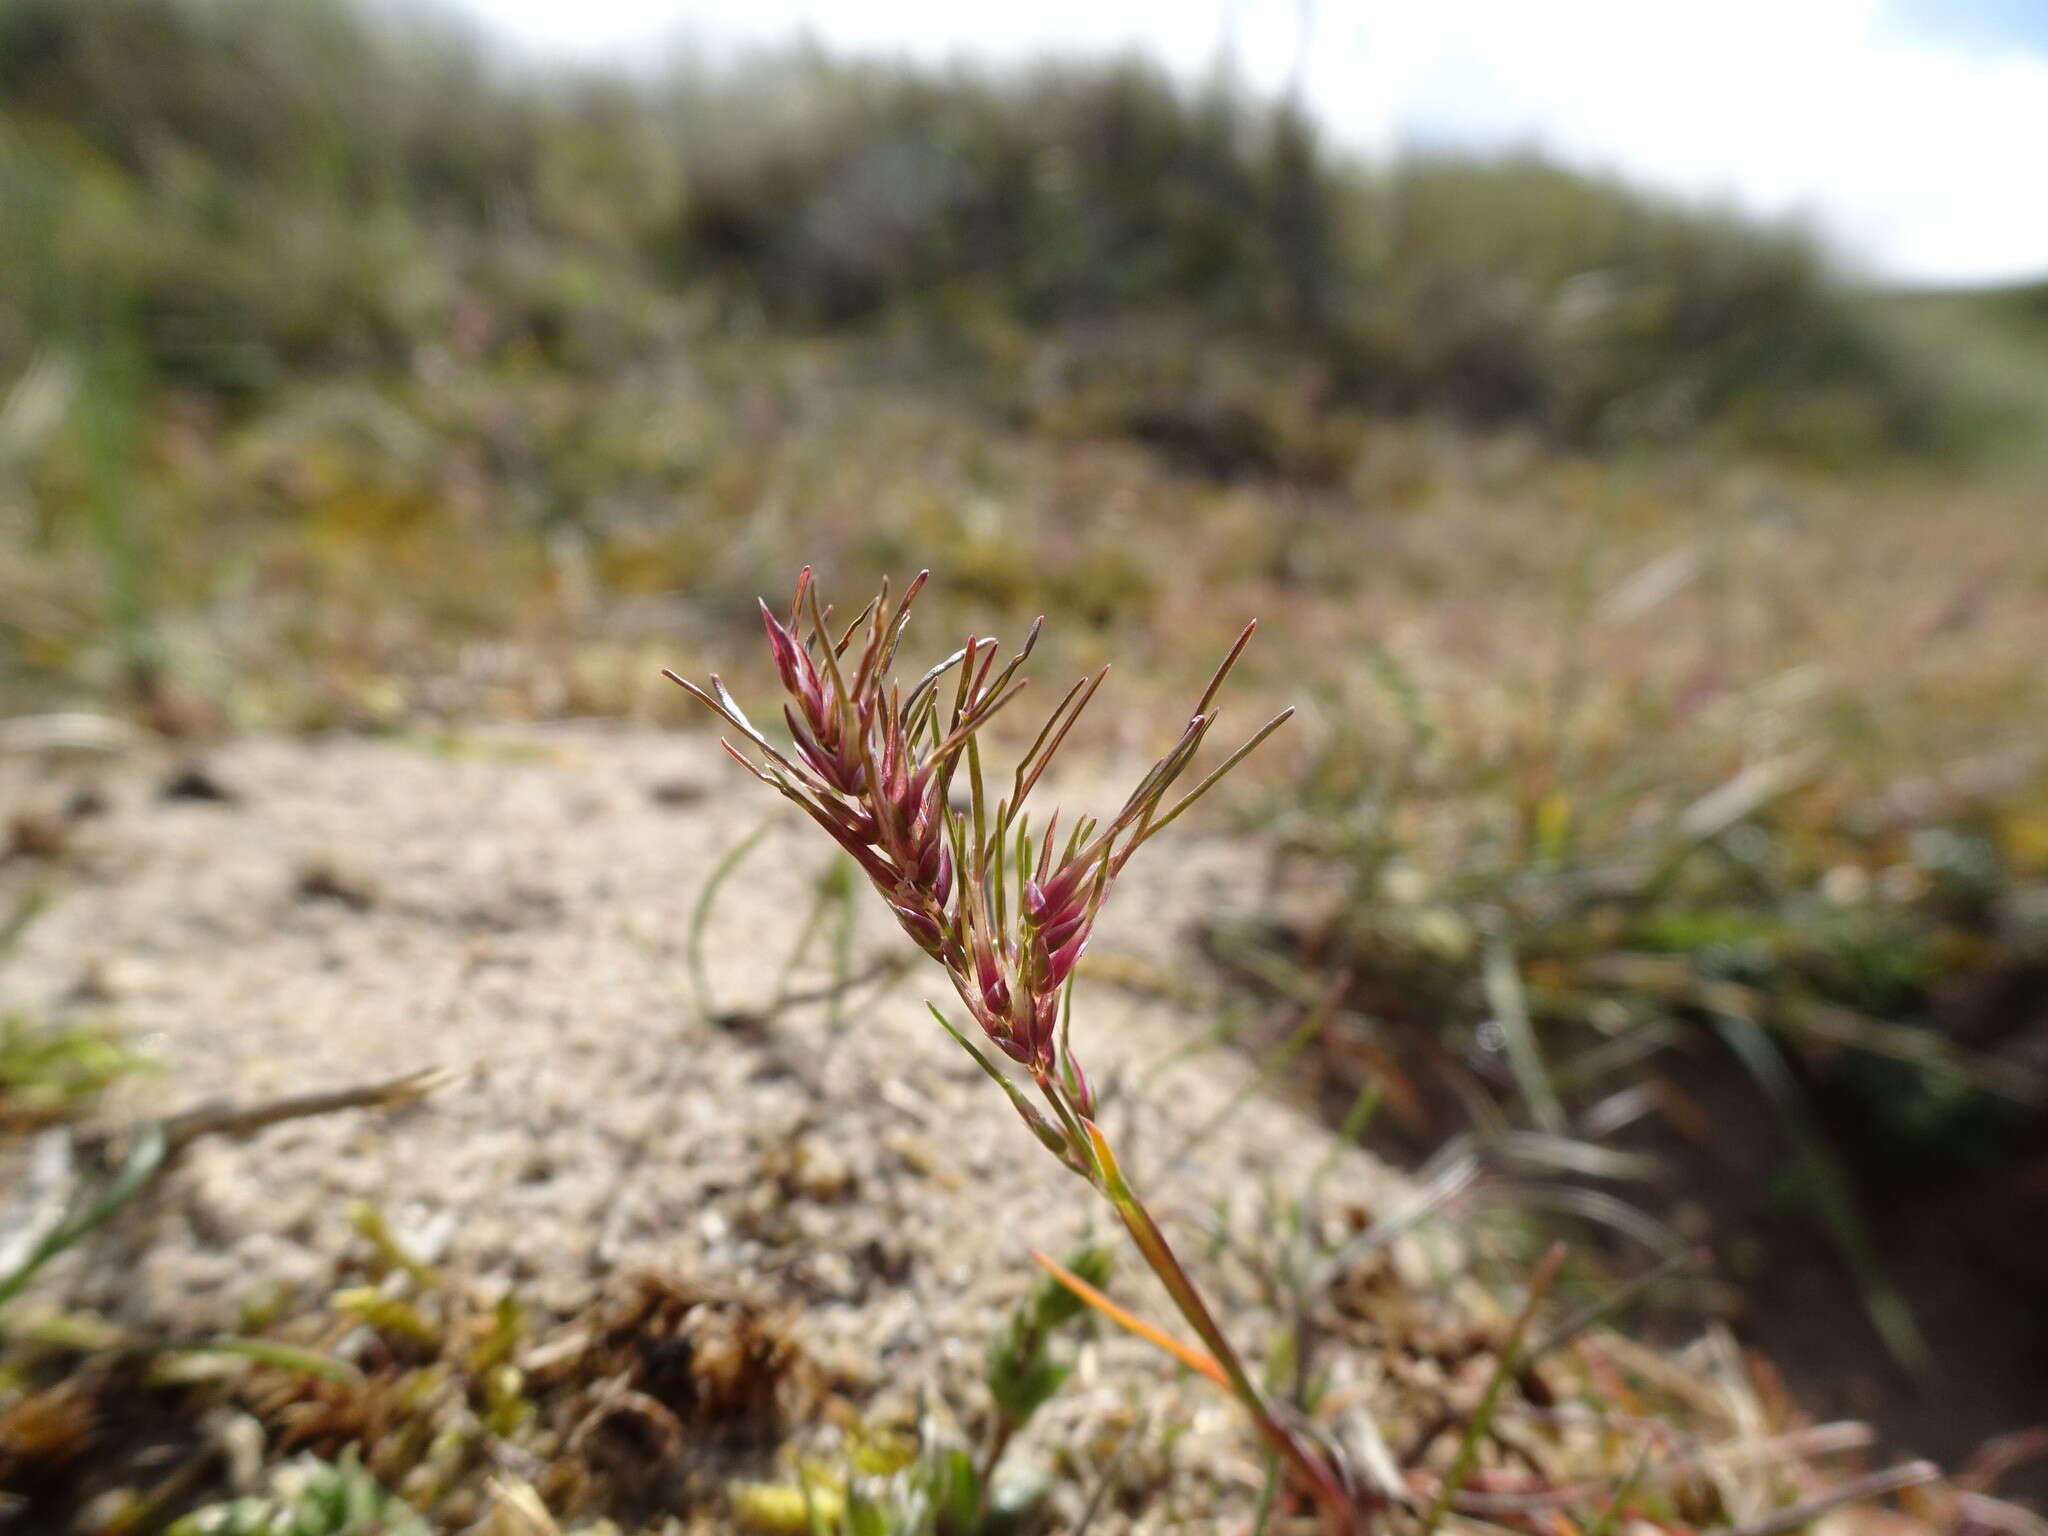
(145, 1158)
(1505, 1367)
(1610, 1516)
(1596, 1312)
(1262, 1515)
(1270, 1066)
(700, 914)
(1503, 980)
(1829, 1184)
(1873, 1485)
(1314, 1474)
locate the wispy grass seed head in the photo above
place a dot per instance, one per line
(1006, 909)
(1005, 906)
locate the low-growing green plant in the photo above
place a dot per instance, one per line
(90, 1205)
(310, 1497)
(50, 1071)
(1023, 1370)
(1005, 912)
(905, 1485)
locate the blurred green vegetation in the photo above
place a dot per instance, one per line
(309, 1497)
(333, 342)
(1996, 344)
(51, 1071)
(259, 191)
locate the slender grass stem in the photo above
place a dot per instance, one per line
(1315, 1475)
(700, 915)
(1505, 1368)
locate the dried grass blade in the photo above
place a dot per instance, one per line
(1194, 1359)
(1505, 1367)
(1610, 1516)
(1876, 1485)
(1503, 981)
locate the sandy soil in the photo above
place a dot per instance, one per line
(514, 908)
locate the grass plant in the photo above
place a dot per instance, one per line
(922, 1484)
(1006, 915)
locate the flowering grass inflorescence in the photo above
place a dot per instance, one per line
(1006, 910)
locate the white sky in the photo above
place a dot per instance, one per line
(1919, 156)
